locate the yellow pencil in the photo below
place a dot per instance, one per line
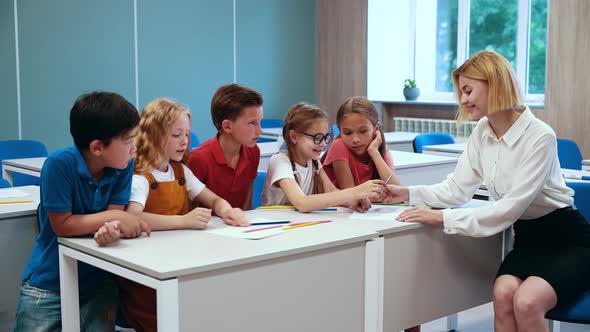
(301, 225)
(277, 207)
(16, 201)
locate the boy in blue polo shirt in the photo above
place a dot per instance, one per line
(82, 188)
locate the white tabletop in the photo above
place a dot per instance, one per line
(277, 131)
(176, 253)
(400, 137)
(402, 159)
(33, 164)
(20, 209)
(451, 148)
(586, 162)
(268, 148)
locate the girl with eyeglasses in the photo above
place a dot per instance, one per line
(296, 177)
(359, 153)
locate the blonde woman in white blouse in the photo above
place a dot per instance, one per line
(515, 154)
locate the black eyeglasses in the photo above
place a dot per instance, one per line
(319, 137)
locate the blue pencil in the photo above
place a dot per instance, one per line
(270, 223)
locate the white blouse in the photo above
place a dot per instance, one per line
(521, 171)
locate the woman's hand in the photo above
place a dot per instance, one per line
(423, 215)
(395, 194)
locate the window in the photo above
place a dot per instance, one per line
(427, 39)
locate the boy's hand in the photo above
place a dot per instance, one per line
(235, 217)
(198, 218)
(132, 226)
(369, 189)
(108, 233)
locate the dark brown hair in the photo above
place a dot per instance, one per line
(229, 101)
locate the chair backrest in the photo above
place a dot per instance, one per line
(271, 123)
(258, 187)
(569, 154)
(335, 130)
(15, 149)
(431, 139)
(4, 183)
(195, 142)
(582, 197)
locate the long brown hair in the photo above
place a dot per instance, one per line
(299, 118)
(154, 129)
(365, 108)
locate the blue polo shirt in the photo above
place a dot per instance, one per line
(67, 186)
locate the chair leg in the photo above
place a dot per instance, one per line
(554, 325)
(452, 322)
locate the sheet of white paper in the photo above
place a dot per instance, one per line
(12, 193)
(238, 232)
(379, 212)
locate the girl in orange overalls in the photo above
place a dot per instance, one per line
(163, 189)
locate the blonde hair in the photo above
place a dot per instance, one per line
(299, 118)
(504, 93)
(154, 129)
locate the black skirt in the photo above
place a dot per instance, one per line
(554, 247)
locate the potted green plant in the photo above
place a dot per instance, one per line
(411, 91)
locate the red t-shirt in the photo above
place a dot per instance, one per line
(209, 165)
(361, 172)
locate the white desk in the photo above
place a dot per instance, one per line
(273, 133)
(418, 168)
(332, 271)
(586, 165)
(267, 149)
(400, 140)
(29, 166)
(311, 279)
(18, 230)
(450, 150)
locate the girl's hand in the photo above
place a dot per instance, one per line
(197, 218)
(423, 215)
(362, 205)
(235, 217)
(369, 189)
(395, 194)
(376, 143)
(108, 233)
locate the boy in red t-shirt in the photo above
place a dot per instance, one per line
(228, 163)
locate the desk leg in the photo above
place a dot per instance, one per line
(374, 276)
(7, 175)
(70, 307)
(167, 295)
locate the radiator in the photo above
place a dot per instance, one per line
(420, 125)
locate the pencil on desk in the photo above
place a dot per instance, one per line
(17, 201)
(276, 207)
(305, 223)
(262, 228)
(270, 223)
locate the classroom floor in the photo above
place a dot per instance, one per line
(481, 319)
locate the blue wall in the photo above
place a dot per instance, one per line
(9, 120)
(185, 51)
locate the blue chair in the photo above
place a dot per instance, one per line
(431, 139)
(335, 130)
(271, 123)
(579, 311)
(195, 142)
(569, 154)
(15, 149)
(258, 187)
(4, 183)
